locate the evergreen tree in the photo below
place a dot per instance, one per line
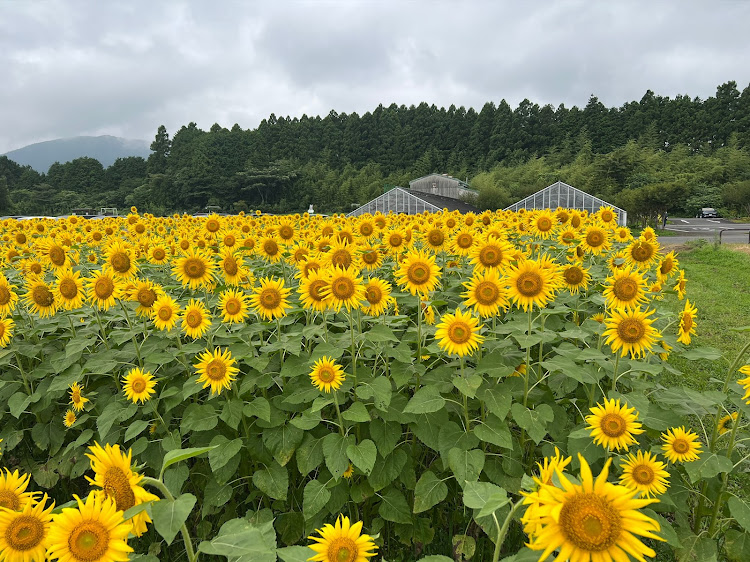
(6, 206)
(160, 149)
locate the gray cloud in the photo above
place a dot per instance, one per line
(87, 67)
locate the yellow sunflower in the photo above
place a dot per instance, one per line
(158, 253)
(435, 239)
(6, 331)
(642, 253)
(418, 272)
(69, 418)
(370, 256)
(68, 288)
(490, 252)
(76, 397)
(680, 286)
(592, 520)
(341, 254)
(310, 291)
(8, 297)
(269, 249)
(232, 266)
(53, 253)
(342, 542)
(234, 306)
(195, 269)
(103, 289)
(531, 284)
(92, 532)
(486, 293)
(344, 287)
(726, 424)
(13, 494)
(680, 445)
(626, 288)
(542, 224)
(145, 293)
(326, 375)
(120, 259)
(575, 278)
(138, 386)
(165, 313)
(378, 296)
(631, 331)
(667, 267)
(23, 533)
(613, 426)
(217, 369)
(595, 240)
(196, 319)
(458, 333)
(40, 298)
(270, 299)
(687, 323)
(644, 473)
(463, 241)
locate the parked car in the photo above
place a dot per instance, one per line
(707, 213)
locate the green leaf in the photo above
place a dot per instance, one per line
(356, 413)
(708, 353)
(231, 413)
(169, 515)
(484, 496)
(533, 421)
(466, 465)
(740, 511)
(223, 451)
(198, 417)
(436, 558)
(495, 431)
(429, 492)
(387, 470)
(259, 408)
(294, 553)
(363, 455)
(464, 546)
(283, 441)
(379, 333)
(707, 466)
(273, 480)
(393, 507)
(468, 385)
(334, 452)
(496, 401)
(309, 454)
(379, 389)
(314, 498)
(135, 429)
(242, 541)
(178, 455)
(737, 545)
(425, 401)
(18, 403)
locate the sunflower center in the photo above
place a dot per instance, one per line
(529, 284)
(643, 474)
(216, 370)
(146, 297)
(120, 262)
(314, 290)
(573, 275)
(20, 238)
(9, 500)
(165, 313)
(35, 268)
(117, 487)
(486, 293)
(590, 522)
(365, 229)
(607, 216)
(464, 241)
(680, 446)
(490, 256)
(436, 237)
(631, 330)
(300, 254)
(326, 374)
(194, 268)
(370, 257)
(459, 332)
(395, 240)
(594, 239)
(194, 318)
(270, 298)
(418, 273)
(159, 254)
(212, 225)
(24, 533)
(4, 295)
(270, 247)
(138, 385)
(568, 237)
(230, 265)
(184, 244)
(666, 266)
(56, 255)
(687, 322)
(625, 288)
(342, 288)
(613, 425)
(544, 224)
(42, 296)
(373, 295)
(642, 252)
(341, 258)
(233, 306)
(88, 541)
(342, 549)
(286, 232)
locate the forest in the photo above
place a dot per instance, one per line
(649, 156)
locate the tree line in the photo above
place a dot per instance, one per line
(649, 156)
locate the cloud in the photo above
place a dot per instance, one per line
(126, 68)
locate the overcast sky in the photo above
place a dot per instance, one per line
(72, 67)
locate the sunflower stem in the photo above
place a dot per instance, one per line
(502, 531)
(724, 477)
(338, 413)
(135, 341)
(354, 351)
(614, 374)
(101, 327)
(159, 485)
(29, 390)
(465, 399)
(419, 333)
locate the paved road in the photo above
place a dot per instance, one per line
(693, 229)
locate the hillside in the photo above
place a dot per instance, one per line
(106, 149)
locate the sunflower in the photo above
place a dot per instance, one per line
(491, 252)
(463, 242)
(340, 254)
(343, 288)
(378, 296)
(23, 533)
(435, 239)
(6, 331)
(667, 267)
(606, 215)
(307, 266)
(233, 305)
(531, 284)
(196, 319)
(145, 293)
(310, 291)
(642, 253)
(575, 278)
(370, 256)
(195, 269)
(165, 312)
(366, 228)
(726, 424)
(69, 418)
(680, 445)
(613, 426)
(216, 369)
(550, 465)
(103, 288)
(113, 473)
(76, 397)
(631, 332)
(40, 298)
(93, 532)
(687, 323)
(622, 234)
(418, 272)
(567, 236)
(326, 375)
(138, 386)
(625, 289)
(349, 472)
(8, 297)
(157, 253)
(120, 259)
(486, 294)
(458, 333)
(592, 520)
(68, 288)
(269, 249)
(53, 253)
(542, 224)
(680, 286)
(270, 299)
(342, 542)
(644, 473)
(595, 240)
(395, 240)
(13, 494)
(232, 267)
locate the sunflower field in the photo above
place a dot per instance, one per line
(439, 387)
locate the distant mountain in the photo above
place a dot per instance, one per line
(106, 149)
